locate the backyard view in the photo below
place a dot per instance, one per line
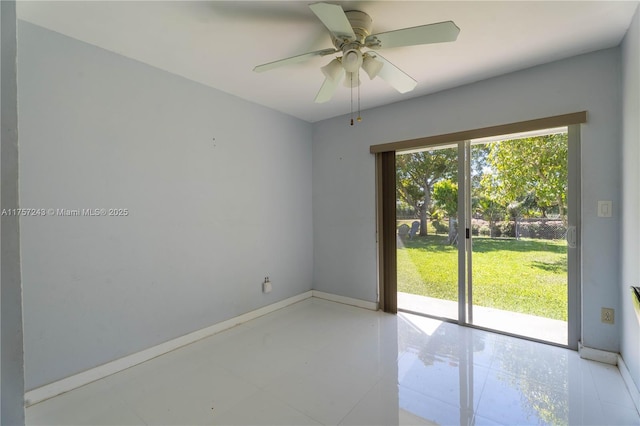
(527, 276)
(518, 211)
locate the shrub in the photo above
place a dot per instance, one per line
(530, 229)
(441, 228)
(543, 229)
(507, 229)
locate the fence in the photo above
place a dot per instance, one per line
(540, 228)
(546, 229)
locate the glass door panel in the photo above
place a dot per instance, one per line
(427, 231)
(517, 213)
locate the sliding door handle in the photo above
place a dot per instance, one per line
(571, 236)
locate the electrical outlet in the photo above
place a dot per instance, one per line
(266, 285)
(607, 316)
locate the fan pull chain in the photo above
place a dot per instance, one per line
(351, 77)
(359, 118)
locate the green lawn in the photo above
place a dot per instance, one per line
(527, 275)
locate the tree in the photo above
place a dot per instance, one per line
(445, 196)
(479, 163)
(486, 198)
(417, 172)
(490, 210)
(529, 167)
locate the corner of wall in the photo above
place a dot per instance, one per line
(630, 241)
(12, 363)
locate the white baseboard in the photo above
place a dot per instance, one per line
(628, 380)
(72, 382)
(597, 355)
(345, 300)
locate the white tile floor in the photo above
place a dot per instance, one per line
(319, 362)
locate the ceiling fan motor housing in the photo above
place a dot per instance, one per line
(351, 54)
(361, 24)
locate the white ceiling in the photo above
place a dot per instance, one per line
(218, 43)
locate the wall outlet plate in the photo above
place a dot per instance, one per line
(604, 208)
(607, 315)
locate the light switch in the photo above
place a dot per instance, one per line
(604, 208)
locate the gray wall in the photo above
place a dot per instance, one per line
(208, 219)
(344, 184)
(629, 325)
(12, 361)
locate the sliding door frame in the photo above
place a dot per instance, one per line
(574, 269)
(386, 199)
(463, 240)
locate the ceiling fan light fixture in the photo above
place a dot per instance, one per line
(333, 70)
(352, 79)
(371, 66)
(352, 60)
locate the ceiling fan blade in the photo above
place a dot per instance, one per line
(293, 60)
(424, 34)
(393, 75)
(327, 89)
(333, 17)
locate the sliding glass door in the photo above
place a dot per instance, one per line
(482, 230)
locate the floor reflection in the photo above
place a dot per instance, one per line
(432, 352)
(535, 381)
(522, 382)
(319, 362)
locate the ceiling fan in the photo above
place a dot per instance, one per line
(351, 35)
